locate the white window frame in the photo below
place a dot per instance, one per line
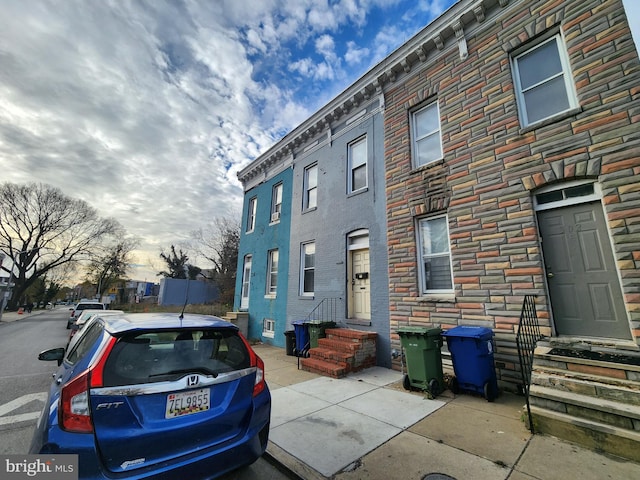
(276, 203)
(304, 268)
(357, 163)
(245, 290)
(251, 214)
(273, 258)
(416, 139)
(310, 187)
(268, 328)
(422, 256)
(569, 86)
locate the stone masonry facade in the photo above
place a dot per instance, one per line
(493, 165)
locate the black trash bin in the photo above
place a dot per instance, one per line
(290, 341)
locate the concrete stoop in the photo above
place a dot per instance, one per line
(240, 319)
(342, 351)
(588, 397)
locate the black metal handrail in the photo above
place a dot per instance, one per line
(325, 311)
(526, 340)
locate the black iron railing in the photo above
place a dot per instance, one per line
(526, 339)
(325, 311)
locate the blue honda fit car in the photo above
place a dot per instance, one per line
(156, 396)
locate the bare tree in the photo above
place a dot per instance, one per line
(42, 229)
(219, 244)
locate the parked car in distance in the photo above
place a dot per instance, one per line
(156, 395)
(85, 316)
(82, 305)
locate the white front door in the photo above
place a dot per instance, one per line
(360, 285)
(246, 283)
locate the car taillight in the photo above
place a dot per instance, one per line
(259, 383)
(74, 405)
(74, 413)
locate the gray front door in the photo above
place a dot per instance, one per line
(586, 297)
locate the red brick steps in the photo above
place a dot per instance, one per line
(342, 351)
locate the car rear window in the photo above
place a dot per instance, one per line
(160, 356)
(90, 306)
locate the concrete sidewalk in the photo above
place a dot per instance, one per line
(13, 316)
(368, 426)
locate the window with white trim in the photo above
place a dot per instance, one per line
(251, 214)
(357, 155)
(268, 328)
(426, 141)
(310, 199)
(434, 255)
(307, 268)
(272, 272)
(543, 82)
(276, 203)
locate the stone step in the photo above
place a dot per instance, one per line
(324, 368)
(606, 388)
(602, 362)
(589, 433)
(329, 355)
(350, 335)
(339, 345)
(609, 412)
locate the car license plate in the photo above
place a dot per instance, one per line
(186, 403)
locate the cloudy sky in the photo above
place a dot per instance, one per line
(148, 109)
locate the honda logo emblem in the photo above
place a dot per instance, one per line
(192, 380)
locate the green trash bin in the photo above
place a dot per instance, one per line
(317, 330)
(424, 362)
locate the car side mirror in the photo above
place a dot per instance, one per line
(56, 354)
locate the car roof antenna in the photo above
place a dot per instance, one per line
(186, 295)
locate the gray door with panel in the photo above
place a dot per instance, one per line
(586, 297)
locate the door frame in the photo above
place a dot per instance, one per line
(557, 199)
(356, 240)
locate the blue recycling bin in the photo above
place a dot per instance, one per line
(303, 341)
(471, 351)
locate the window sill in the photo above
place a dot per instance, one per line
(548, 121)
(306, 297)
(437, 298)
(274, 223)
(313, 209)
(428, 166)
(270, 296)
(268, 334)
(357, 192)
(358, 321)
